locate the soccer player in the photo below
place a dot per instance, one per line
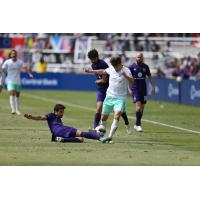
(12, 67)
(119, 77)
(139, 71)
(60, 132)
(102, 85)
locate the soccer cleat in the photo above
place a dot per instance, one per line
(59, 139)
(105, 139)
(138, 128)
(17, 112)
(128, 129)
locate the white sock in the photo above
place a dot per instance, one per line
(113, 128)
(12, 103)
(17, 103)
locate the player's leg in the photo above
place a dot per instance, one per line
(100, 96)
(87, 135)
(12, 94)
(126, 121)
(17, 99)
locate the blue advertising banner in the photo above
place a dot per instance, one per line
(165, 90)
(59, 81)
(190, 92)
(186, 92)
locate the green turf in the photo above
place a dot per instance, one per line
(27, 142)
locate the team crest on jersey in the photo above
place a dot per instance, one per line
(139, 74)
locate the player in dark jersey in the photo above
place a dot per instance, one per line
(138, 88)
(60, 132)
(102, 85)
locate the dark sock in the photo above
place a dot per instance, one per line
(97, 119)
(138, 118)
(124, 116)
(72, 139)
(88, 135)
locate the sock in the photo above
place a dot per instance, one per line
(124, 116)
(113, 128)
(138, 118)
(12, 103)
(17, 103)
(88, 135)
(97, 119)
(72, 139)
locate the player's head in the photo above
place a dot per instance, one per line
(59, 110)
(139, 58)
(93, 55)
(116, 62)
(13, 54)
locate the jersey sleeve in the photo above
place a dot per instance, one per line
(108, 70)
(4, 66)
(49, 116)
(148, 71)
(127, 71)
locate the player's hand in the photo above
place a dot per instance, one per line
(152, 90)
(31, 76)
(27, 116)
(87, 70)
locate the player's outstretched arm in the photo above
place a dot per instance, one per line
(99, 71)
(38, 118)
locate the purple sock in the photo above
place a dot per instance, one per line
(138, 118)
(97, 119)
(88, 135)
(72, 139)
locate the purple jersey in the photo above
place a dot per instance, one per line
(57, 128)
(101, 64)
(139, 73)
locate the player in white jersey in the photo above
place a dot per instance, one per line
(12, 67)
(116, 95)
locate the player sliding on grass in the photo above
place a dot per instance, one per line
(116, 94)
(60, 132)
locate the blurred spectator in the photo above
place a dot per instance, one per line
(41, 66)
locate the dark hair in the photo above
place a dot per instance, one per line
(13, 50)
(115, 60)
(58, 107)
(93, 54)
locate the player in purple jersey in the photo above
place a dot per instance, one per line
(60, 132)
(138, 88)
(102, 86)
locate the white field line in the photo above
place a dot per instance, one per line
(93, 110)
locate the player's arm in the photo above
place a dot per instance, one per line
(37, 118)
(25, 69)
(129, 77)
(98, 71)
(129, 90)
(152, 85)
(103, 80)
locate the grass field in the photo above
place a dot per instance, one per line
(27, 142)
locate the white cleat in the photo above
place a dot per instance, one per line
(17, 112)
(128, 129)
(138, 128)
(59, 139)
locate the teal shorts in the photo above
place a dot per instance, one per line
(111, 104)
(13, 87)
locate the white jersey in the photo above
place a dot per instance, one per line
(118, 84)
(13, 69)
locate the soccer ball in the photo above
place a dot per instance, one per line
(101, 130)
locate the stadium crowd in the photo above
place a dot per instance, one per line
(163, 63)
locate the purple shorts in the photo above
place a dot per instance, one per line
(65, 132)
(139, 98)
(100, 96)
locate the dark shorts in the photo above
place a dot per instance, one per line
(65, 132)
(100, 96)
(139, 98)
